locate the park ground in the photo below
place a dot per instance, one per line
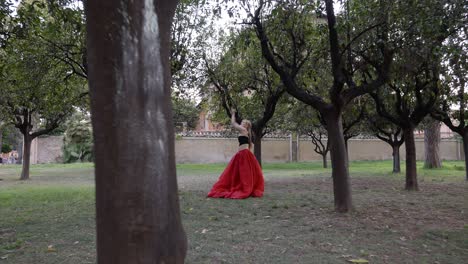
(51, 218)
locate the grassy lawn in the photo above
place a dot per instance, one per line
(50, 219)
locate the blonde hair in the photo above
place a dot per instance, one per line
(249, 130)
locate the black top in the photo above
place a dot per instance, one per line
(243, 140)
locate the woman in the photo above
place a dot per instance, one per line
(243, 176)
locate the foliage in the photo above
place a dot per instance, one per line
(185, 113)
(452, 108)
(6, 148)
(192, 29)
(242, 80)
(64, 35)
(10, 136)
(78, 139)
(35, 84)
(419, 30)
(39, 86)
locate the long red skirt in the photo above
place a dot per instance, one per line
(241, 179)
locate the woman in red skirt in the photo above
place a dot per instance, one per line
(243, 175)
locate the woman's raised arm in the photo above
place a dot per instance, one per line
(234, 123)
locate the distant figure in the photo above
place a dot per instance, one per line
(243, 175)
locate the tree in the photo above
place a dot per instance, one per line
(242, 80)
(136, 186)
(307, 121)
(78, 139)
(291, 48)
(192, 23)
(5, 26)
(64, 34)
(431, 144)
(452, 108)
(185, 112)
(353, 118)
(415, 86)
(388, 133)
(36, 95)
(1, 134)
(9, 136)
(407, 112)
(318, 135)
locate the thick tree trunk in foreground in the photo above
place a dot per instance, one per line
(396, 159)
(340, 173)
(26, 156)
(411, 173)
(431, 145)
(137, 205)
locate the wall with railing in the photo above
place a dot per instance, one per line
(216, 147)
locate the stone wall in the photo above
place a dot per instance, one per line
(47, 150)
(220, 150)
(375, 149)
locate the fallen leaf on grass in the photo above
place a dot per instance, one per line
(51, 248)
(358, 261)
(204, 231)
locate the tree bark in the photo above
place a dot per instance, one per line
(396, 159)
(1, 137)
(347, 152)
(431, 145)
(258, 149)
(20, 152)
(137, 204)
(324, 157)
(411, 173)
(340, 173)
(465, 150)
(26, 156)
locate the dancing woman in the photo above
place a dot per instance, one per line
(243, 175)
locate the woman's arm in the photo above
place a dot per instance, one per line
(235, 124)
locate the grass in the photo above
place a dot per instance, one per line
(50, 219)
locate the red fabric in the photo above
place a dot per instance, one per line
(241, 179)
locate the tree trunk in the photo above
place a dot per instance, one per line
(137, 205)
(340, 173)
(1, 137)
(347, 152)
(26, 156)
(411, 173)
(431, 145)
(324, 157)
(258, 148)
(20, 152)
(465, 150)
(396, 159)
